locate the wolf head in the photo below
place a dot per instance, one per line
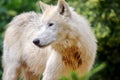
(54, 26)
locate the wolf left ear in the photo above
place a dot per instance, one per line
(63, 8)
(43, 6)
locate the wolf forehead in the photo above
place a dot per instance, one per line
(62, 10)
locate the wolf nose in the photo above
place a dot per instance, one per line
(36, 41)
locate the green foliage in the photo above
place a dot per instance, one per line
(104, 16)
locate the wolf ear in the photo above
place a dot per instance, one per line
(63, 8)
(43, 6)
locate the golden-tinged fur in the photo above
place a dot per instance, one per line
(67, 45)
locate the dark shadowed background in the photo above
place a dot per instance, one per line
(104, 16)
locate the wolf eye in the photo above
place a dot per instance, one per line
(50, 24)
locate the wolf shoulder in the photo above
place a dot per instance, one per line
(24, 18)
(19, 24)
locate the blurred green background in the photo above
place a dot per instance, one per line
(104, 16)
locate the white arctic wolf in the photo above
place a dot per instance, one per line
(52, 44)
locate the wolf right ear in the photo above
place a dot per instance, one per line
(43, 6)
(63, 8)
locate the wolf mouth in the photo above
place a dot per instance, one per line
(43, 46)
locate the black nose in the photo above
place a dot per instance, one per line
(36, 41)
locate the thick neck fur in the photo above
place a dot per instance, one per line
(70, 51)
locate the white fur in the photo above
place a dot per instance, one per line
(70, 31)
